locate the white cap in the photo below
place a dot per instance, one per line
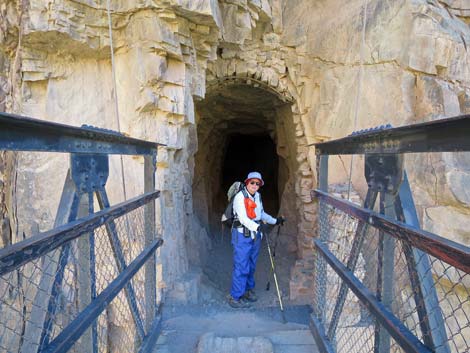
(254, 175)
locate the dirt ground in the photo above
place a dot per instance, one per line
(218, 270)
(184, 325)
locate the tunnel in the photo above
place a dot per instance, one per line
(245, 153)
(240, 129)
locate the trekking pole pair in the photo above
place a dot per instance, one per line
(273, 271)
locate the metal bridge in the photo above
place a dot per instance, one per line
(70, 288)
(89, 285)
(381, 283)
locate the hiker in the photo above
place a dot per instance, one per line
(247, 230)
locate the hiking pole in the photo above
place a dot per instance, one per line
(268, 285)
(275, 280)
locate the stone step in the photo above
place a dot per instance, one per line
(212, 329)
(295, 341)
(293, 313)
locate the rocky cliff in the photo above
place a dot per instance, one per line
(316, 70)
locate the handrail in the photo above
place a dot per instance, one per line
(453, 253)
(397, 255)
(31, 248)
(444, 135)
(89, 148)
(390, 322)
(19, 133)
(148, 344)
(83, 321)
(320, 336)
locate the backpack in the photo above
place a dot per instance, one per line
(228, 217)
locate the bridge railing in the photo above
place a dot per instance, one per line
(88, 284)
(382, 284)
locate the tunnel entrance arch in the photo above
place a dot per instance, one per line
(237, 128)
(241, 114)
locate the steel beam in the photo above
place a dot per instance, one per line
(431, 318)
(444, 135)
(38, 245)
(453, 253)
(18, 133)
(84, 284)
(91, 239)
(150, 163)
(320, 265)
(385, 272)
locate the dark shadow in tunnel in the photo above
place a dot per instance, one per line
(244, 153)
(238, 133)
(247, 153)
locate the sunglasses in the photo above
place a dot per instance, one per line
(255, 183)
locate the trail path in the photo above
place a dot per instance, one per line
(214, 327)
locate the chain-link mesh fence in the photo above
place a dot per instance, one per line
(429, 296)
(39, 299)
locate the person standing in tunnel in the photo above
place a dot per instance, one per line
(247, 231)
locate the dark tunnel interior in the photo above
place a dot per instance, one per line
(247, 153)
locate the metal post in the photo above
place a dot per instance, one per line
(93, 273)
(121, 263)
(38, 327)
(84, 282)
(356, 247)
(320, 264)
(385, 272)
(150, 235)
(419, 268)
(89, 173)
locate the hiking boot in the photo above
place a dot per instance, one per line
(250, 296)
(238, 304)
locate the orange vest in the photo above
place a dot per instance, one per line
(250, 206)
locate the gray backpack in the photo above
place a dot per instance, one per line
(228, 216)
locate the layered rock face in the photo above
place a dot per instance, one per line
(191, 73)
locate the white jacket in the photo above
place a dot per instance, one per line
(240, 211)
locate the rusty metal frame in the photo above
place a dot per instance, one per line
(444, 135)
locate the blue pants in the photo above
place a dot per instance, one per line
(245, 255)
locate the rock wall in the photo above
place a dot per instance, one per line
(10, 40)
(406, 72)
(412, 66)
